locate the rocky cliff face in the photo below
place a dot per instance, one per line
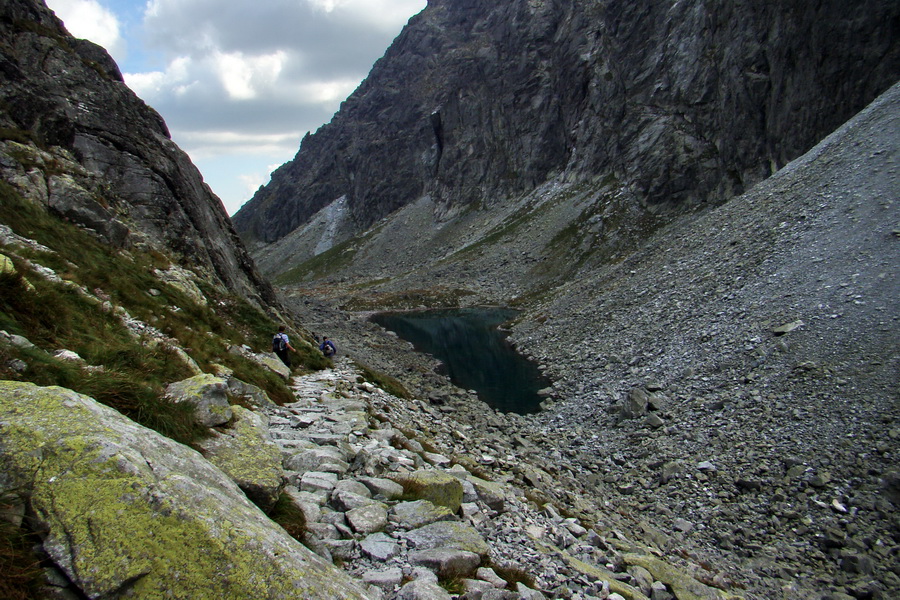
(728, 389)
(676, 103)
(74, 137)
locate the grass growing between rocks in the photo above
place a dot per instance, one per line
(453, 586)
(290, 517)
(124, 369)
(319, 266)
(20, 568)
(132, 376)
(389, 384)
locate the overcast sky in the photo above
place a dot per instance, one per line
(240, 82)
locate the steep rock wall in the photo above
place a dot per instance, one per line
(114, 168)
(680, 102)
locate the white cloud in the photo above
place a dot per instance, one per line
(208, 144)
(89, 20)
(243, 76)
(388, 15)
(253, 181)
(240, 82)
(275, 66)
(328, 92)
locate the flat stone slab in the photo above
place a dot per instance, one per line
(387, 579)
(367, 519)
(345, 501)
(325, 439)
(389, 490)
(423, 590)
(380, 546)
(447, 564)
(327, 459)
(435, 486)
(448, 535)
(492, 494)
(317, 481)
(412, 515)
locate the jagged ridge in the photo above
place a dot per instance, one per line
(77, 139)
(682, 103)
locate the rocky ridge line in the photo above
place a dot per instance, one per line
(76, 139)
(677, 103)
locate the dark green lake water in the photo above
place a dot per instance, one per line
(475, 354)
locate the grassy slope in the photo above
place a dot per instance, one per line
(135, 370)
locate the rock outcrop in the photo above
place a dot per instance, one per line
(676, 104)
(125, 512)
(74, 137)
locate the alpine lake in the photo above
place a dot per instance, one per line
(474, 352)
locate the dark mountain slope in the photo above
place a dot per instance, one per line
(75, 137)
(725, 392)
(679, 103)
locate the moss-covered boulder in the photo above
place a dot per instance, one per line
(418, 513)
(430, 484)
(491, 493)
(126, 512)
(208, 393)
(243, 391)
(246, 453)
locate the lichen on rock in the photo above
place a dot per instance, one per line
(126, 511)
(246, 453)
(208, 394)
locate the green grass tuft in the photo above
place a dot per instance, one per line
(20, 567)
(385, 382)
(290, 517)
(135, 370)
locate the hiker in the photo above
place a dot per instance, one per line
(327, 347)
(280, 346)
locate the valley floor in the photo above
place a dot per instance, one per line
(728, 392)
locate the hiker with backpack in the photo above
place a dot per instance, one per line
(281, 345)
(327, 347)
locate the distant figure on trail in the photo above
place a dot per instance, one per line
(280, 346)
(327, 347)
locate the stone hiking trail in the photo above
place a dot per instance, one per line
(400, 518)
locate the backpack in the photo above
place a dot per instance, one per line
(278, 344)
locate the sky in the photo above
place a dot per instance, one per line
(240, 82)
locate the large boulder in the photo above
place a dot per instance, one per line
(447, 535)
(249, 393)
(208, 394)
(246, 453)
(412, 515)
(327, 459)
(435, 486)
(269, 360)
(124, 511)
